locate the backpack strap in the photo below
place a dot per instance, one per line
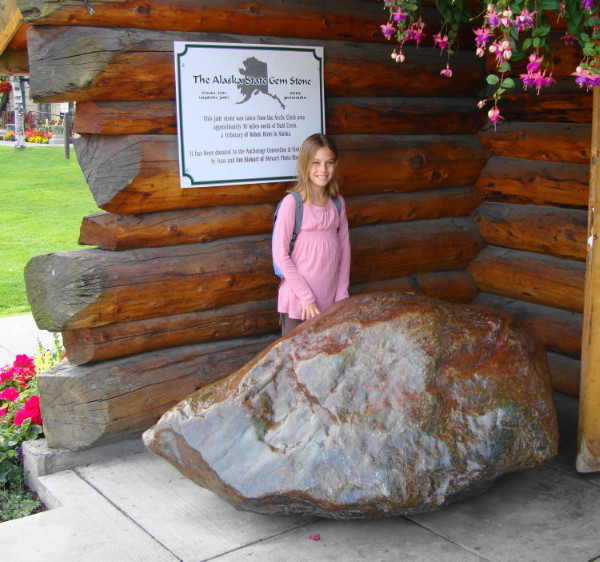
(297, 218)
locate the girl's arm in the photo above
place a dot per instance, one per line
(344, 270)
(284, 228)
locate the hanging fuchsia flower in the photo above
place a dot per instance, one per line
(482, 36)
(506, 18)
(388, 30)
(492, 16)
(524, 20)
(585, 77)
(441, 42)
(494, 115)
(587, 5)
(568, 39)
(415, 32)
(446, 71)
(534, 62)
(399, 15)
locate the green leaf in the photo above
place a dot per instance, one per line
(504, 67)
(527, 44)
(492, 79)
(549, 5)
(508, 83)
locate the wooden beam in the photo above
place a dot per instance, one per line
(558, 107)
(588, 456)
(551, 142)
(559, 330)
(544, 230)
(10, 21)
(343, 116)
(171, 228)
(530, 277)
(514, 180)
(87, 288)
(87, 345)
(81, 63)
(336, 19)
(88, 405)
(131, 174)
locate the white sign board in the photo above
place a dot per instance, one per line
(244, 110)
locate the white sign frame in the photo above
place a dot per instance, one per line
(243, 110)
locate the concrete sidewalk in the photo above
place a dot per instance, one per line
(122, 503)
(135, 506)
(20, 335)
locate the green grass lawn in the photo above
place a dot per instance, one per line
(43, 198)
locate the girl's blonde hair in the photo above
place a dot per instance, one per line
(305, 159)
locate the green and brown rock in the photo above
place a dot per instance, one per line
(386, 404)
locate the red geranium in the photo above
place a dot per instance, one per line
(5, 87)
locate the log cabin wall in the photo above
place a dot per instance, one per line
(179, 289)
(533, 216)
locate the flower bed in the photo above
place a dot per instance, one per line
(20, 420)
(38, 137)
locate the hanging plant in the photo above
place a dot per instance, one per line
(508, 31)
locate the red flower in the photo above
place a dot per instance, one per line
(7, 375)
(2, 411)
(31, 410)
(9, 394)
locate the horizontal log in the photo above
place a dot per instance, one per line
(75, 63)
(88, 405)
(170, 228)
(559, 330)
(565, 373)
(565, 107)
(512, 180)
(551, 142)
(131, 174)
(342, 115)
(545, 280)
(401, 116)
(87, 288)
(247, 319)
(10, 21)
(544, 230)
(87, 345)
(125, 118)
(337, 19)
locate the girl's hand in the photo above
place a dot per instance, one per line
(310, 311)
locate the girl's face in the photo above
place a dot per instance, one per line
(322, 167)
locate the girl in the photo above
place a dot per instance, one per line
(317, 273)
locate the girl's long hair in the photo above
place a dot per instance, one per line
(305, 159)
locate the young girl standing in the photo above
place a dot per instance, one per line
(317, 273)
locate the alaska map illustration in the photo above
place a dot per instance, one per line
(256, 80)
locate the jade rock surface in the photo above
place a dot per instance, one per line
(386, 404)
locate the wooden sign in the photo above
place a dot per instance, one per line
(244, 110)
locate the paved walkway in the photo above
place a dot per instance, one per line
(18, 335)
(122, 503)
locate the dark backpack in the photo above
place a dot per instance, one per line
(297, 224)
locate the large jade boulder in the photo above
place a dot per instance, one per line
(387, 404)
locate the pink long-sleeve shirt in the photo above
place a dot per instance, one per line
(319, 268)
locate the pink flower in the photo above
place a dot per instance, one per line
(494, 115)
(534, 62)
(7, 375)
(33, 403)
(9, 394)
(568, 39)
(388, 30)
(524, 20)
(2, 411)
(446, 71)
(315, 537)
(441, 42)
(399, 15)
(482, 36)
